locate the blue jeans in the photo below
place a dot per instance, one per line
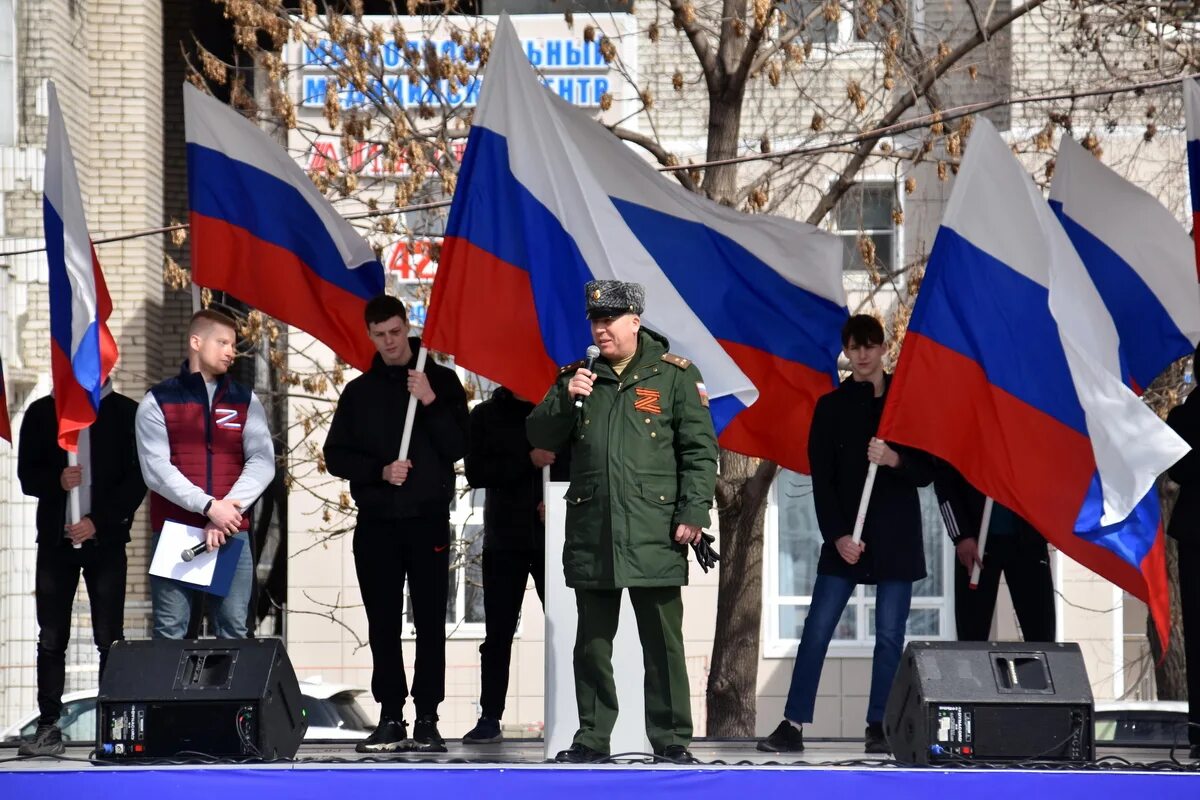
(172, 601)
(829, 598)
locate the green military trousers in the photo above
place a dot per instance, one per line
(659, 613)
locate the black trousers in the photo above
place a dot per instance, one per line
(1025, 562)
(386, 554)
(1189, 594)
(505, 575)
(57, 579)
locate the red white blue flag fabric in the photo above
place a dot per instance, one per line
(82, 350)
(263, 232)
(547, 199)
(5, 420)
(1144, 266)
(1011, 371)
(1138, 255)
(1191, 106)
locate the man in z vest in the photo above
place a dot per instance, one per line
(643, 472)
(206, 455)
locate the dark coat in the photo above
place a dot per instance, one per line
(962, 504)
(498, 461)
(643, 460)
(842, 426)
(117, 485)
(1184, 419)
(365, 435)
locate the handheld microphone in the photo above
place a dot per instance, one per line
(192, 552)
(593, 353)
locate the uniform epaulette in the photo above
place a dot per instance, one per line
(679, 361)
(574, 365)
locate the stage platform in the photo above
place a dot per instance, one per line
(829, 770)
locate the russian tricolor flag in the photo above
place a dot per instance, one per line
(262, 231)
(1011, 371)
(1140, 258)
(1143, 265)
(82, 351)
(547, 199)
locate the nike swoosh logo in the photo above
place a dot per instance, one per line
(440, 549)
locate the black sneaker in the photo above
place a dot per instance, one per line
(425, 735)
(787, 738)
(486, 731)
(875, 741)
(388, 737)
(678, 754)
(46, 742)
(579, 754)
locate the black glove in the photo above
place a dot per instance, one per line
(706, 557)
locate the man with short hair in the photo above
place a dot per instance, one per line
(110, 491)
(206, 453)
(891, 554)
(643, 473)
(403, 526)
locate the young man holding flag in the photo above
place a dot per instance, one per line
(891, 554)
(403, 527)
(110, 488)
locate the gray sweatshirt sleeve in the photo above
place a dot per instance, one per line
(154, 454)
(259, 469)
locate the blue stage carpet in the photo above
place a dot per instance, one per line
(299, 782)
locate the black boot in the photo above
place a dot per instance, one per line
(786, 738)
(426, 736)
(46, 742)
(579, 754)
(388, 737)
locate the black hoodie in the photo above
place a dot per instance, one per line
(365, 437)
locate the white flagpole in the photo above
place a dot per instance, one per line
(984, 524)
(861, 519)
(411, 414)
(73, 497)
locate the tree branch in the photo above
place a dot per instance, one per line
(660, 153)
(700, 44)
(846, 177)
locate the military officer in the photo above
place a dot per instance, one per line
(643, 472)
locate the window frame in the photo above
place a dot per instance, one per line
(775, 646)
(860, 279)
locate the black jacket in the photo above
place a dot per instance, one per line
(365, 437)
(117, 485)
(961, 505)
(498, 461)
(842, 426)
(1184, 419)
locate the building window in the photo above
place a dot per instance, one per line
(792, 550)
(8, 73)
(832, 22)
(865, 221)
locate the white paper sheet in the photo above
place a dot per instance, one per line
(167, 563)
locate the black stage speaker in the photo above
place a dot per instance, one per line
(990, 701)
(220, 697)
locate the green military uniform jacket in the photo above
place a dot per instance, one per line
(643, 460)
